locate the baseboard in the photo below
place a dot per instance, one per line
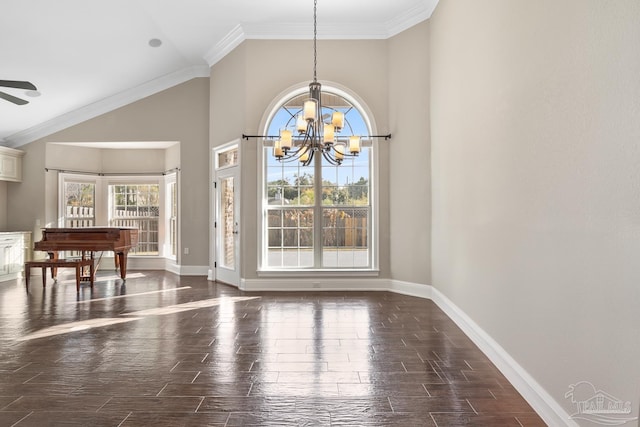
(314, 284)
(193, 270)
(541, 401)
(411, 289)
(167, 265)
(18, 275)
(171, 266)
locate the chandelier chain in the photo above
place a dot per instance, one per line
(315, 37)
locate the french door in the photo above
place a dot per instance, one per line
(227, 217)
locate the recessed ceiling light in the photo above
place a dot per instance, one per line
(33, 93)
(155, 42)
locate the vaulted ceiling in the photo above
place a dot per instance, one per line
(89, 57)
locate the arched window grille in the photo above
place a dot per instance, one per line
(320, 216)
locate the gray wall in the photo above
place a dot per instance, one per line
(536, 208)
(410, 156)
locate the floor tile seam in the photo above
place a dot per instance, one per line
(162, 389)
(22, 419)
(125, 419)
(17, 399)
(22, 367)
(35, 376)
(199, 404)
(105, 403)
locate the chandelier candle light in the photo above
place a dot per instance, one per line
(314, 135)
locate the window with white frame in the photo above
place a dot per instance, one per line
(79, 203)
(318, 217)
(137, 205)
(124, 201)
(171, 224)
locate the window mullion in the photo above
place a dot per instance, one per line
(317, 211)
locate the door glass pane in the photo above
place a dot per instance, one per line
(228, 226)
(228, 158)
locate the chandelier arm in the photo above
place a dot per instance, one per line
(309, 159)
(329, 158)
(246, 137)
(303, 149)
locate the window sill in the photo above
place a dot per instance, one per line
(318, 273)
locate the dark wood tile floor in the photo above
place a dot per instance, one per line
(164, 350)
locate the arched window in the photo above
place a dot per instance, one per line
(320, 216)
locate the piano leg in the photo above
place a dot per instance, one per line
(54, 270)
(122, 262)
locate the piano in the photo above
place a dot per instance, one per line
(90, 240)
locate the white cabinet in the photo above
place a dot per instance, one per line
(15, 249)
(10, 164)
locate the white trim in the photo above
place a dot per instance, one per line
(374, 182)
(171, 266)
(421, 12)
(106, 105)
(215, 171)
(233, 39)
(344, 273)
(410, 289)
(314, 284)
(225, 46)
(541, 401)
(194, 270)
(300, 31)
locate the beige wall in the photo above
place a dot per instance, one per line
(245, 83)
(228, 109)
(179, 114)
(26, 200)
(536, 208)
(3, 205)
(410, 156)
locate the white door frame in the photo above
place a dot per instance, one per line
(218, 269)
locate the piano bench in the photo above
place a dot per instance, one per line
(54, 264)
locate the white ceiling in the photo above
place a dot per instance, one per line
(89, 57)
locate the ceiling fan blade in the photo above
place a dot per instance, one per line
(13, 99)
(18, 84)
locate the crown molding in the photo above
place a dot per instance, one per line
(105, 105)
(411, 17)
(303, 31)
(225, 46)
(422, 11)
(298, 31)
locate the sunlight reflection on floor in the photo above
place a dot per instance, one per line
(128, 295)
(160, 311)
(194, 305)
(76, 326)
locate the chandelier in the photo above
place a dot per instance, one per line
(315, 129)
